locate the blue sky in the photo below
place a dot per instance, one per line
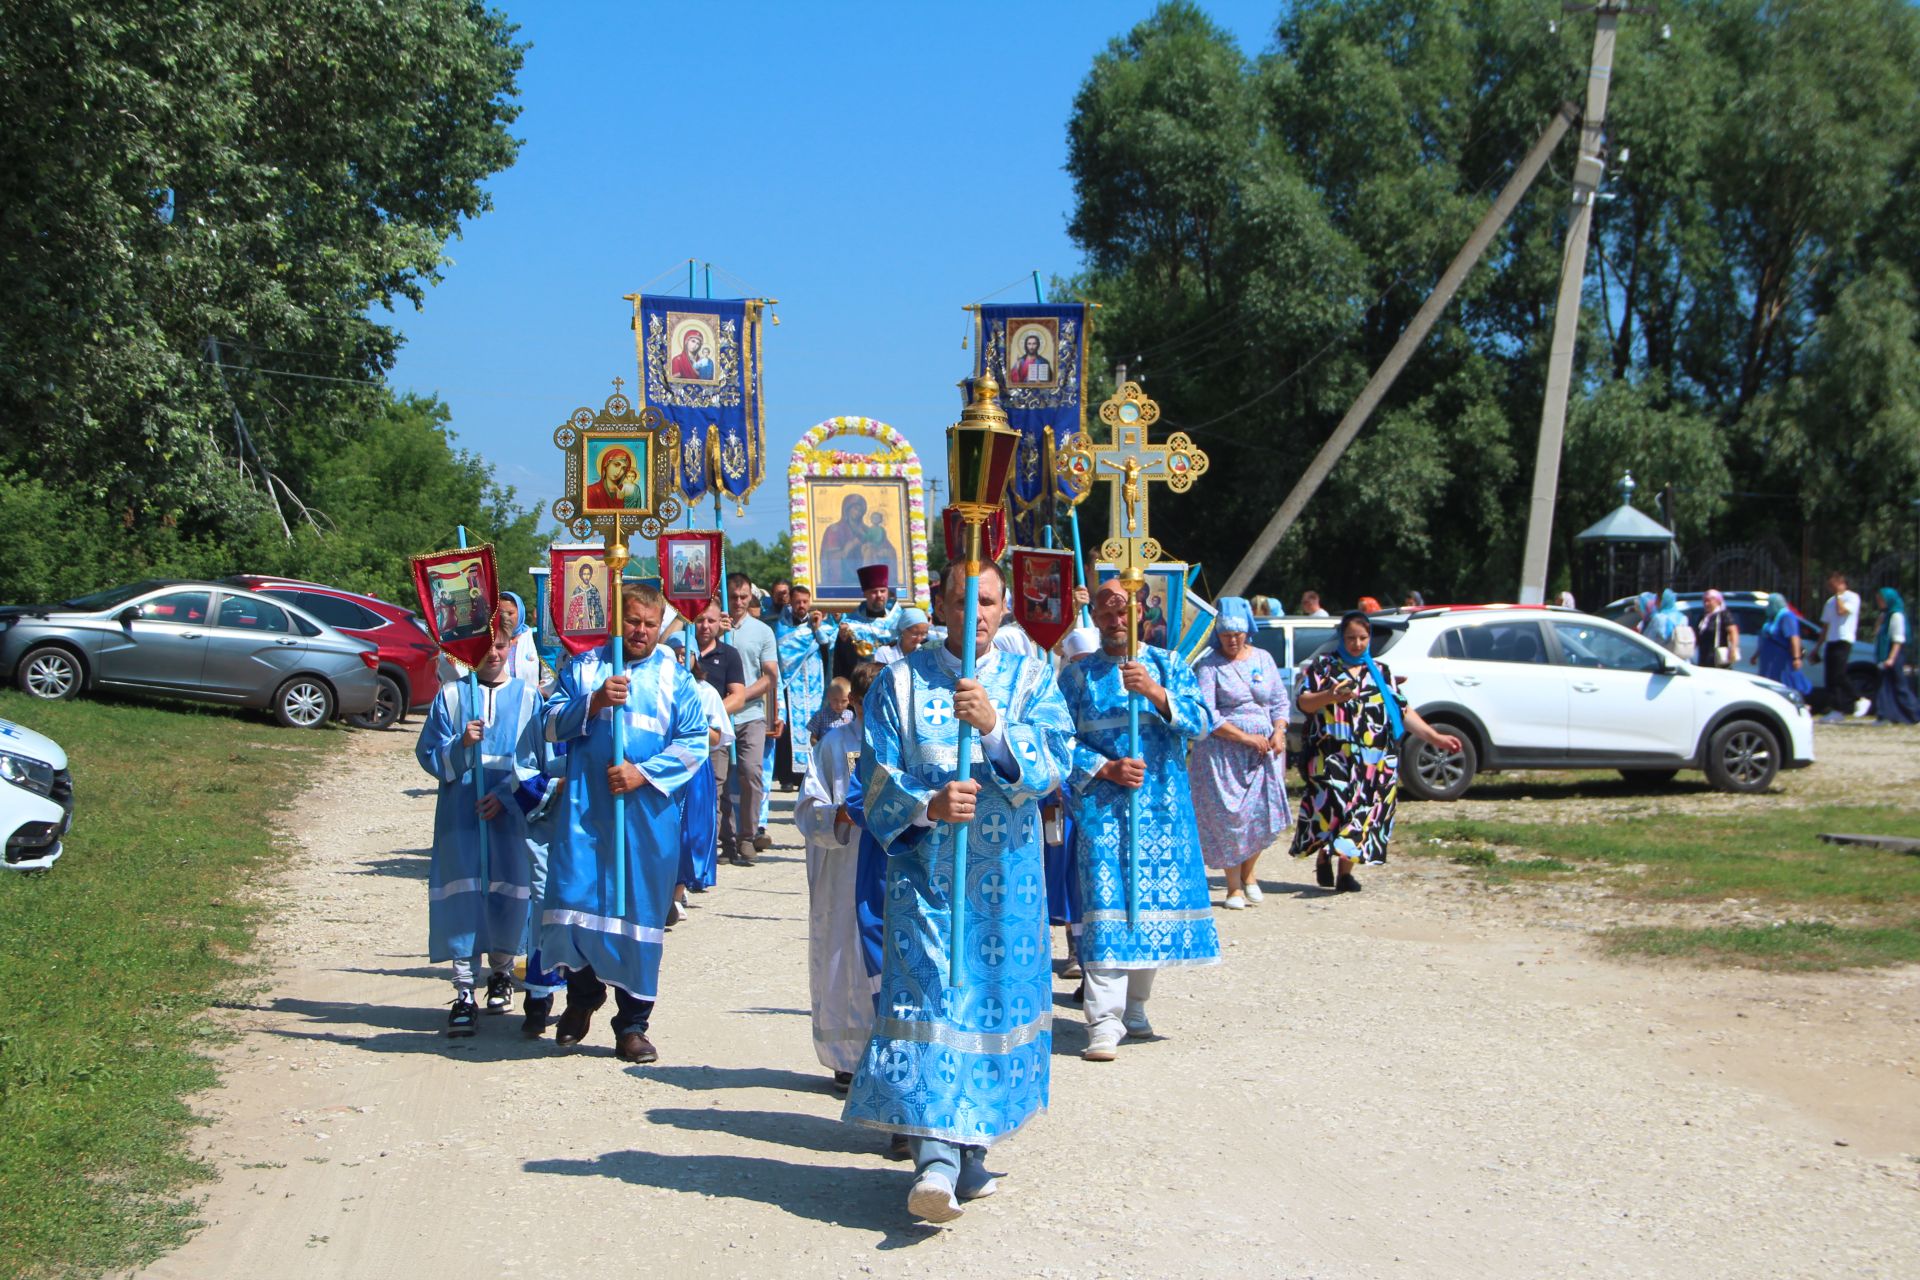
(874, 167)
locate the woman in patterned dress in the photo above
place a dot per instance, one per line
(1239, 771)
(1356, 718)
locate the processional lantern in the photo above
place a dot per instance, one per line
(980, 453)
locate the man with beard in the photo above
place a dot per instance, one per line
(874, 623)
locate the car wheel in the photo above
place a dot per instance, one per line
(387, 708)
(1652, 777)
(1743, 756)
(50, 672)
(303, 703)
(1428, 773)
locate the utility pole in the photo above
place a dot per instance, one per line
(1587, 173)
(1383, 377)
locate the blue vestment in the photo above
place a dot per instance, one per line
(1175, 917)
(803, 684)
(700, 829)
(666, 739)
(965, 1063)
(465, 916)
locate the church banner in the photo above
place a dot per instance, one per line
(1043, 594)
(993, 535)
(458, 590)
(1037, 352)
(700, 368)
(579, 596)
(690, 569)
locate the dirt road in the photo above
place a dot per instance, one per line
(1385, 1084)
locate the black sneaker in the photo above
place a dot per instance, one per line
(463, 1017)
(1323, 873)
(499, 993)
(539, 1012)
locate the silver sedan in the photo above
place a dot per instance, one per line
(201, 640)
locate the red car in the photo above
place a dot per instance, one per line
(408, 671)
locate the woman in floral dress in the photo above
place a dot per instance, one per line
(1356, 719)
(1238, 772)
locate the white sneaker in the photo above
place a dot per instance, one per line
(675, 914)
(1103, 1045)
(1235, 902)
(1135, 1021)
(1862, 708)
(932, 1199)
(1254, 895)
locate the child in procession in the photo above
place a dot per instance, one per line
(482, 741)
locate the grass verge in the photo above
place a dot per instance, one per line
(107, 962)
(1772, 857)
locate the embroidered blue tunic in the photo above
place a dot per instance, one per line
(464, 916)
(966, 1064)
(1175, 919)
(803, 682)
(666, 738)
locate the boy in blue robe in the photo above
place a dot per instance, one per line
(1174, 918)
(584, 932)
(492, 728)
(958, 1065)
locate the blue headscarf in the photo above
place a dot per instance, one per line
(520, 605)
(1388, 695)
(1883, 643)
(1235, 614)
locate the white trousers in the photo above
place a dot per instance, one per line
(1110, 991)
(497, 962)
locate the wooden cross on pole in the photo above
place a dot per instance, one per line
(1132, 466)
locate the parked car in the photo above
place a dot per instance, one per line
(204, 640)
(408, 678)
(1532, 687)
(1749, 610)
(36, 798)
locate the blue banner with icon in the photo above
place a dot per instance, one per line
(700, 368)
(1037, 352)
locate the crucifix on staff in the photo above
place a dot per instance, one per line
(1131, 465)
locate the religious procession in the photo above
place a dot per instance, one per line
(853, 753)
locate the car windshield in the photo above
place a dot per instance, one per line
(114, 595)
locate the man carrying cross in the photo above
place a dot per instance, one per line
(1173, 920)
(959, 1061)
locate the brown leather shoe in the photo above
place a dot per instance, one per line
(634, 1047)
(762, 841)
(575, 1020)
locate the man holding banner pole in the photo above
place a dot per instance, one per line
(604, 920)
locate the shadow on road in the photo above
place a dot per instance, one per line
(405, 864)
(697, 1078)
(860, 1199)
(782, 1128)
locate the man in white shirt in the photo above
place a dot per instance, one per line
(1839, 626)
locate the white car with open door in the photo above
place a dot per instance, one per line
(1546, 688)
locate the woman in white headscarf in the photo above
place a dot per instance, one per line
(523, 662)
(1238, 772)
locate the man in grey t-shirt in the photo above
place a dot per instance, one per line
(760, 661)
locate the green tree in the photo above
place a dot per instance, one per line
(205, 200)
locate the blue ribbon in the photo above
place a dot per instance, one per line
(1387, 694)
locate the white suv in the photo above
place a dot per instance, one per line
(1546, 688)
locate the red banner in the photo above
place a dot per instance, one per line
(993, 536)
(690, 570)
(579, 599)
(1043, 593)
(458, 593)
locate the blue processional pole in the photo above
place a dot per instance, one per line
(963, 766)
(616, 575)
(479, 769)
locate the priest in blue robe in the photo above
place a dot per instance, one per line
(957, 1066)
(803, 634)
(1174, 918)
(584, 932)
(490, 726)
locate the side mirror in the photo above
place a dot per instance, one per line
(128, 616)
(1674, 667)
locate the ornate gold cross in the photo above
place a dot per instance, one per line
(1132, 465)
